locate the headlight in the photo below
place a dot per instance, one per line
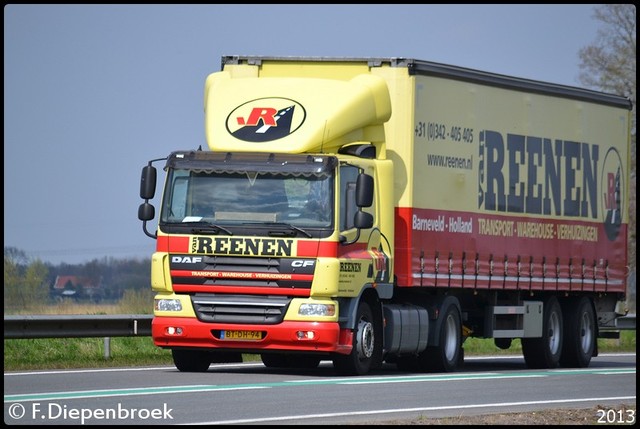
(168, 305)
(317, 310)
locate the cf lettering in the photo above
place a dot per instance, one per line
(299, 263)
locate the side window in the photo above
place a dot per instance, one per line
(179, 198)
(174, 206)
(348, 208)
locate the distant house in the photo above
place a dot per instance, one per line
(77, 287)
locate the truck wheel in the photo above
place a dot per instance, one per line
(447, 355)
(579, 333)
(544, 352)
(191, 360)
(358, 362)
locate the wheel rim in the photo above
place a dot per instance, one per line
(586, 332)
(365, 339)
(451, 338)
(554, 333)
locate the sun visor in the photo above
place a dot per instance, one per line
(293, 115)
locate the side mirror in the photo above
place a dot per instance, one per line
(364, 190)
(363, 220)
(364, 198)
(148, 182)
(146, 212)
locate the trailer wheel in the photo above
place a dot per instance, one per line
(579, 333)
(447, 355)
(544, 352)
(191, 360)
(358, 362)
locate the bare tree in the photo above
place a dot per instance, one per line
(25, 286)
(609, 64)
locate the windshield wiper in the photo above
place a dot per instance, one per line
(202, 227)
(287, 225)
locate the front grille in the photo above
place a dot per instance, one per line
(252, 309)
(244, 272)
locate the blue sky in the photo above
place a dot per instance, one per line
(92, 92)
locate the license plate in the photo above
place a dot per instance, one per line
(241, 335)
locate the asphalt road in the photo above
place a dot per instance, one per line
(250, 393)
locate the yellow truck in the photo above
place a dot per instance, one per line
(373, 211)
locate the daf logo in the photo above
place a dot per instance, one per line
(186, 259)
(301, 263)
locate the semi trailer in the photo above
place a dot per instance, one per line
(384, 210)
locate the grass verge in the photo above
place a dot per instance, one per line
(60, 353)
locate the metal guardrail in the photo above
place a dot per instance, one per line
(77, 326)
(124, 325)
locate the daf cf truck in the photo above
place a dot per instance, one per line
(372, 211)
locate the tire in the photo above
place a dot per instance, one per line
(580, 334)
(191, 360)
(545, 352)
(447, 356)
(359, 361)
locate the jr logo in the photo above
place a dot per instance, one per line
(265, 114)
(612, 193)
(265, 119)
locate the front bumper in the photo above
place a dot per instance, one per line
(285, 336)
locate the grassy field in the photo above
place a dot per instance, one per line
(56, 353)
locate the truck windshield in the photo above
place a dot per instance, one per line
(241, 198)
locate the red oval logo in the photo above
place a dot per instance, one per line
(265, 119)
(613, 197)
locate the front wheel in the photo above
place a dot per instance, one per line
(544, 352)
(359, 361)
(191, 360)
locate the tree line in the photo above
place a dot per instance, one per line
(30, 282)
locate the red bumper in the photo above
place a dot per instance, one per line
(327, 336)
